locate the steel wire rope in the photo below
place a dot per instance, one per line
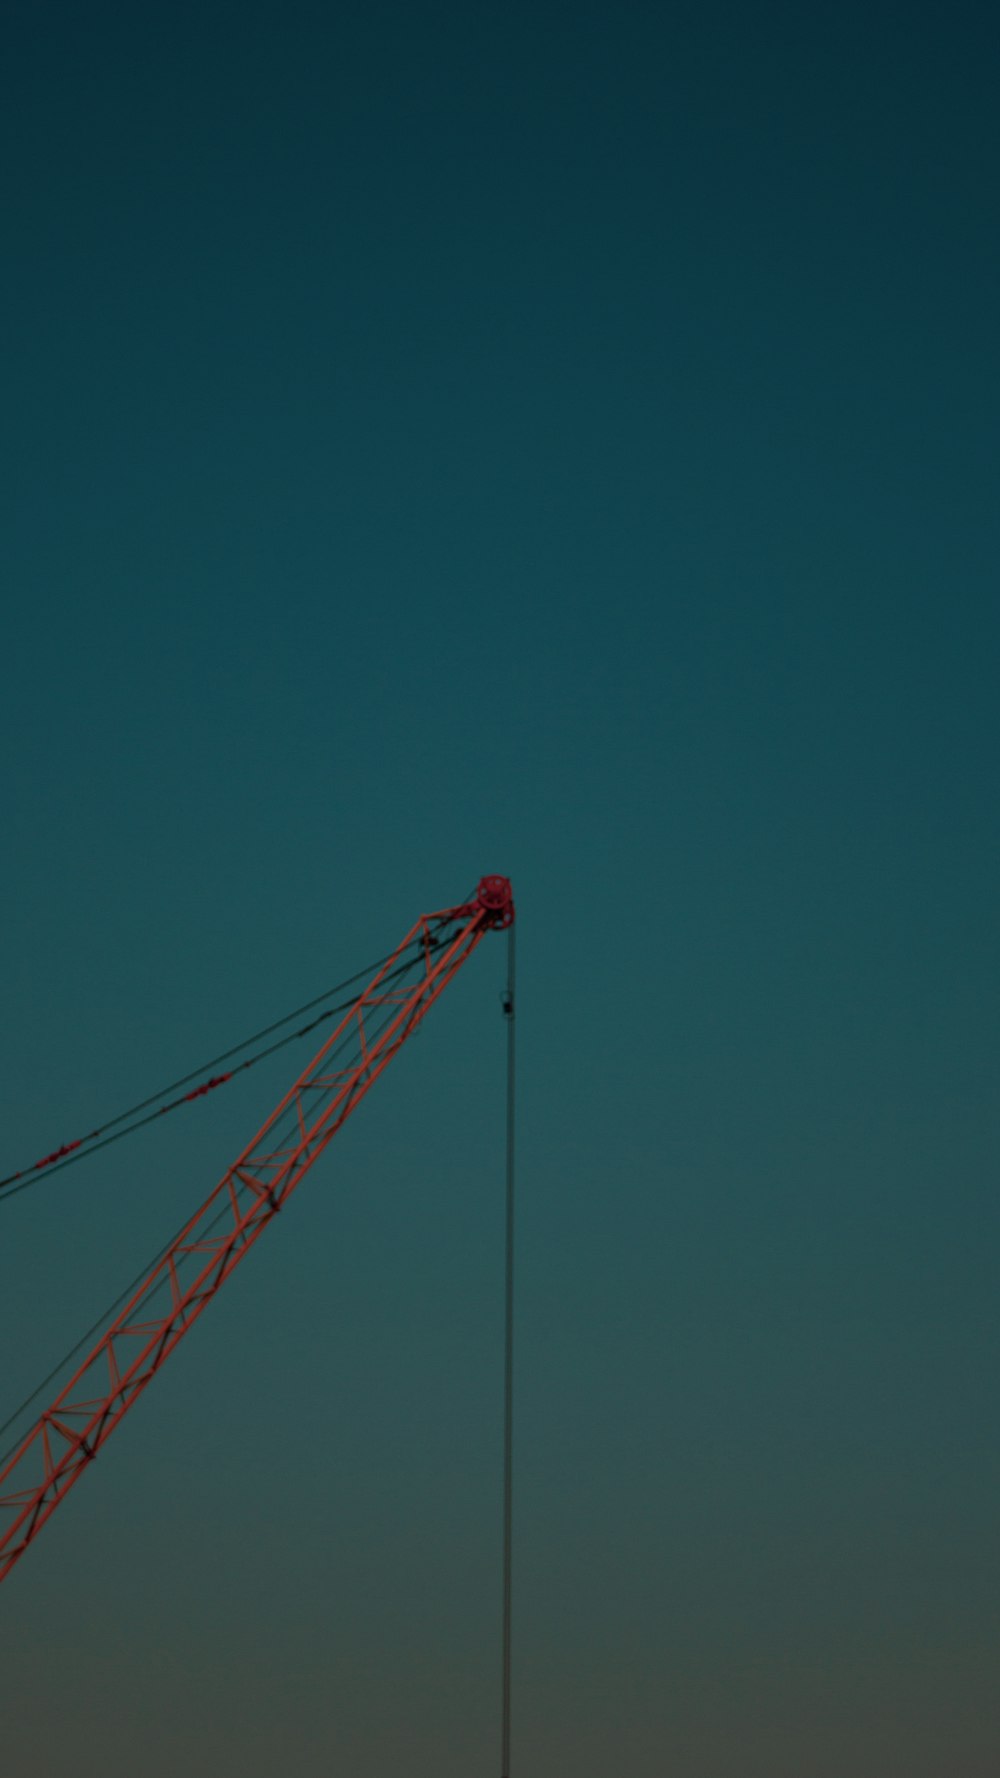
(149, 1268)
(350, 1040)
(349, 1043)
(81, 1343)
(146, 1271)
(10, 1188)
(374, 1030)
(98, 1138)
(203, 1068)
(508, 1368)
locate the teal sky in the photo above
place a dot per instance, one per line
(560, 441)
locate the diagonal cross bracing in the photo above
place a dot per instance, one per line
(68, 1435)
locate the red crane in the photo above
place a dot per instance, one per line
(179, 1284)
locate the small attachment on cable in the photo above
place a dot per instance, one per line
(507, 1003)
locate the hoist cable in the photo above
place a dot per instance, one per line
(508, 1367)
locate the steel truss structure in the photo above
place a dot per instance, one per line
(180, 1284)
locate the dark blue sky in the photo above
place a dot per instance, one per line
(559, 441)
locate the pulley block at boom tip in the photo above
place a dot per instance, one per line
(496, 897)
(173, 1290)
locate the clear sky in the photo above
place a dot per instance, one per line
(558, 440)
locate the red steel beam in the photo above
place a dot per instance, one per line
(177, 1288)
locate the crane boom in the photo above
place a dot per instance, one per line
(176, 1288)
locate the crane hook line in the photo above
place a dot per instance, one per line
(101, 1137)
(508, 1367)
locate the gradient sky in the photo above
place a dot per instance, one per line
(560, 441)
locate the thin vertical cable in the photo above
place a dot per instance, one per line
(508, 1369)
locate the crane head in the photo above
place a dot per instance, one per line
(496, 898)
